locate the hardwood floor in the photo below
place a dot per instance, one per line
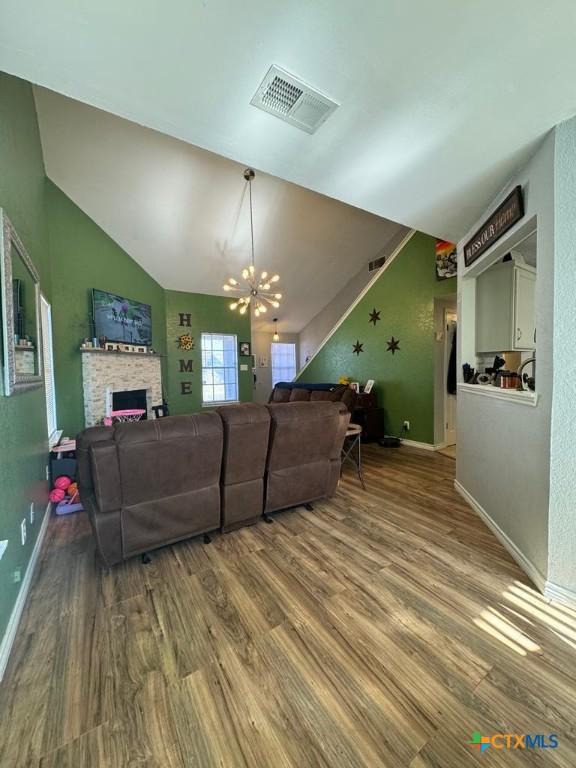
(381, 629)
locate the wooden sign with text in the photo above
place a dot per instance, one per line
(504, 217)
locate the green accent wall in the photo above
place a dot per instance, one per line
(74, 255)
(84, 257)
(23, 448)
(405, 295)
(209, 314)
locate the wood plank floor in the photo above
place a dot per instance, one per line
(381, 629)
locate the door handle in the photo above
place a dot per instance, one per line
(518, 334)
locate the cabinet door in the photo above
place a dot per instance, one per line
(524, 309)
(494, 315)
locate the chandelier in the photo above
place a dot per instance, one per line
(255, 291)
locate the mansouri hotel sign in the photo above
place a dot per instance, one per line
(504, 217)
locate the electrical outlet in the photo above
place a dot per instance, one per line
(32, 513)
(407, 425)
(16, 576)
(23, 531)
(47, 472)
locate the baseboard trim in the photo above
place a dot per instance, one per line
(560, 594)
(16, 615)
(423, 446)
(527, 565)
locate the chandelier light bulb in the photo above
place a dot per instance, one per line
(234, 305)
(257, 312)
(275, 279)
(264, 275)
(275, 304)
(226, 287)
(266, 287)
(245, 273)
(232, 281)
(276, 337)
(278, 296)
(243, 309)
(251, 269)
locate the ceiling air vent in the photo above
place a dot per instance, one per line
(287, 97)
(376, 264)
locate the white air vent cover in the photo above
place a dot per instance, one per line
(283, 95)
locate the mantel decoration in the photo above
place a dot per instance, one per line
(255, 291)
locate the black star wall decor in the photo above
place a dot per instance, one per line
(357, 348)
(374, 316)
(393, 345)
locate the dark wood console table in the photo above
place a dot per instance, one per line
(369, 416)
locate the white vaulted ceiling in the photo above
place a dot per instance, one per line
(182, 212)
(440, 101)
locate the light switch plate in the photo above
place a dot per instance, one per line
(243, 367)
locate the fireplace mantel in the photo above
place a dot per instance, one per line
(104, 371)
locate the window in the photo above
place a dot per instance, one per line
(283, 362)
(219, 368)
(48, 361)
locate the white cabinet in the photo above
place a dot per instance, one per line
(505, 309)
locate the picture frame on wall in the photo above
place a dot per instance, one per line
(446, 259)
(245, 349)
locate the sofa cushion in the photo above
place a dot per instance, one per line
(280, 395)
(170, 471)
(330, 396)
(305, 440)
(170, 456)
(299, 395)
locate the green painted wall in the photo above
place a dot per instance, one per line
(210, 314)
(84, 257)
(405, 295)
(23, 447)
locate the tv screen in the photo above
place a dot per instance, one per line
(121, 319)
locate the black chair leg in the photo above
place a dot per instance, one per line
(146, 559)
(268, 519)
(207, 539)
(309, 507)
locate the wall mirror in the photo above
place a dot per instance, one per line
(20, 317)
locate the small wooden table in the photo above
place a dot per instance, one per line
(353, 440)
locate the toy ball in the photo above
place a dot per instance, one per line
(57, 495)
(62, 482)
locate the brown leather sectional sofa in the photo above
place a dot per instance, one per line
(296, 391)
(153, 483)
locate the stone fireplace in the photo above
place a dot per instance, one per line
(104, 373)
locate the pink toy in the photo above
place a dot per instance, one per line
(57, 495)
(62, 482)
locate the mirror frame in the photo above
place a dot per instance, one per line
(12, 247)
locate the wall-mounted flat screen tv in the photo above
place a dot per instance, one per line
(121, 319)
